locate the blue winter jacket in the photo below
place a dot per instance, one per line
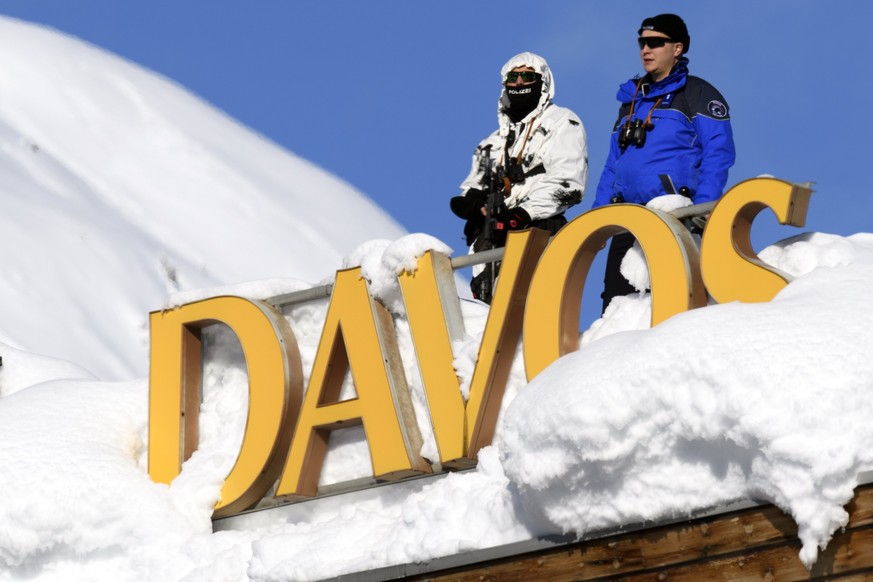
(691, 141)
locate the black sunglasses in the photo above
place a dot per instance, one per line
(526, 76)
(653, 42)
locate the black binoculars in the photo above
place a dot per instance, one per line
(634, 132)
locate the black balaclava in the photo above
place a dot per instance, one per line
(523, 99)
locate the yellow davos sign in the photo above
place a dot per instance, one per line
(538, 297)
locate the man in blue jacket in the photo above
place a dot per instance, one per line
(673, 136)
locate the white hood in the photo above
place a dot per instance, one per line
(538, 64)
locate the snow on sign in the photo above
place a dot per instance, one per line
(538, 298)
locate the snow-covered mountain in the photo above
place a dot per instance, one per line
(111, 173)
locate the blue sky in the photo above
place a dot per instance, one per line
(392, 96)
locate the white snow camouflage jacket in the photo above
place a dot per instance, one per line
(556, 142)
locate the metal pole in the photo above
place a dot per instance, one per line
(460, 262)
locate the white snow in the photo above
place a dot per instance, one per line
(724, 403)
(728, 402)
(112, 173)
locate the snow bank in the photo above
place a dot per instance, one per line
(769, 401)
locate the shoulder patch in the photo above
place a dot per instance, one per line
(717, 108)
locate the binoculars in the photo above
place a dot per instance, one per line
(634, 132)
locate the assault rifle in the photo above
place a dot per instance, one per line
(492, 236)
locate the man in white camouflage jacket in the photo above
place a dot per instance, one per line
(536, 162)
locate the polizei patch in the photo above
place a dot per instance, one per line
(717, 109)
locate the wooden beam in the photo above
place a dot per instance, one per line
(751, 544)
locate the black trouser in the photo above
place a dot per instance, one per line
(614, 283)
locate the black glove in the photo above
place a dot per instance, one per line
(474, 227)
(468, 205)
(513, 219)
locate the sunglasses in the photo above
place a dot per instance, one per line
(653, 42)
(526, 76)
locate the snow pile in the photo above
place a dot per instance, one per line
(768, 401)
(725, 403)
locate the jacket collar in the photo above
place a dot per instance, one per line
(674, 81)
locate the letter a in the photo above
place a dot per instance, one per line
(358, 333)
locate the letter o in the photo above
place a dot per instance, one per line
(551, 319)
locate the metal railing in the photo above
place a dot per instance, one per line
(491, 255)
